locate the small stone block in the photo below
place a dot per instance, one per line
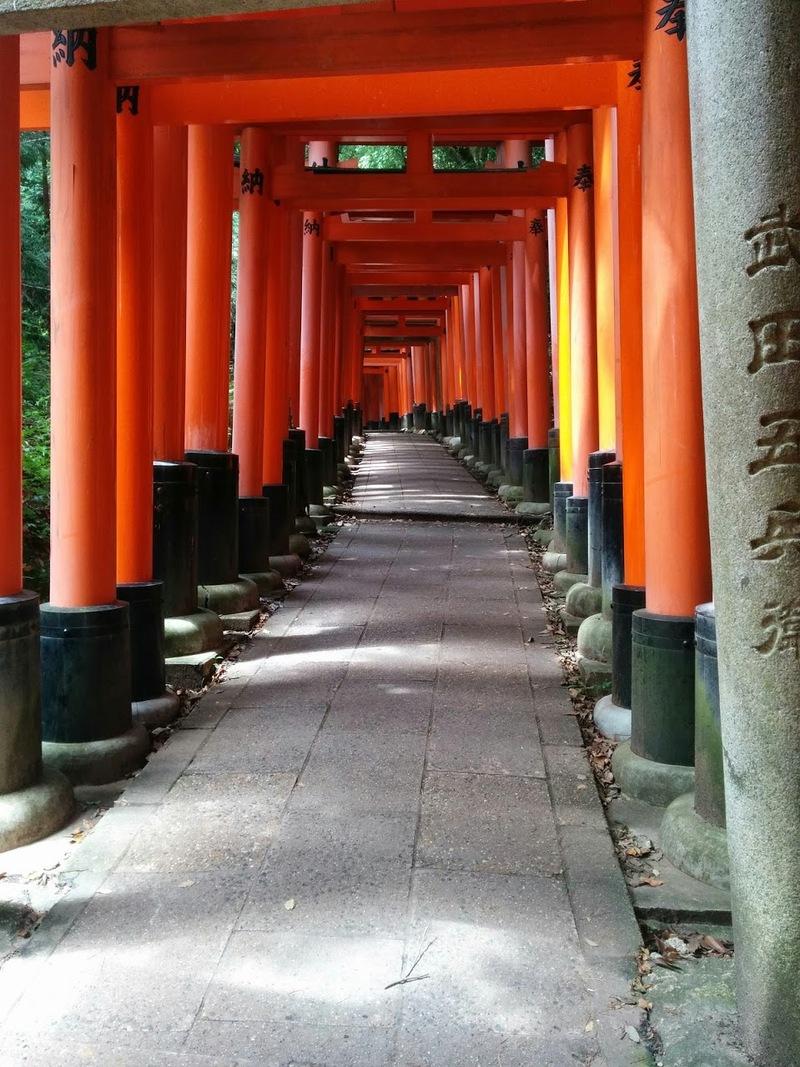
(241, 622)
(190, 672)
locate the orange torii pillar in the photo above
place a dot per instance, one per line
(561, 439)
(320, 153)
(33, 803)
(326, 441)
(152, 704)
(188, 629)
(536, 460)
(249, 360)
(86, 667)
(519, 385)
(208, 319)
(657, 765)
(482, 287)
(583, 347)
(278, 488)
(499, 364)
(623, 481)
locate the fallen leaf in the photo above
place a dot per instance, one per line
(290, 904)
(186, 885)
(648, 881)
(592, 943)
(589, 1026)
(632, 1034)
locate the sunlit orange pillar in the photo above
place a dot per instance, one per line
(483, 287)
(10, 350)
(470, 345)
(86, 672)
(456, 333)
(606, 272)
(276, 397)
(498, 342)
(583, 330)
(208, 287)
(169, 291)
(134, 339)
(251, 311)
(562, 275)
(32, 806)
(677, 564)
(518, 378)
(536, 319)
(630, 428)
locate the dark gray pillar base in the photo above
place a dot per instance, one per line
(303, 525)
(300, 545)
(98, 762)
(576, 518)
(267, 582)
(157, 711)
(191, 635)
(151, 704)
(175, 504)
(562, 491)
(86, 693)
(611, 720)
(314, 461)
(662, 688)
(536, 476)
(516, 447)
(625, 599)
(229, 598)
(648, 780)
(218, 516)
(35, 811)
(286, 565)
(697, 847)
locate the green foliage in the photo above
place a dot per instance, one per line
(374, 156)
(35, 204)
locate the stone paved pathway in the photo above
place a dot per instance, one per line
(387, 784)
(413, 475)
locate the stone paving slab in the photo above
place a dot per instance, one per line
(389, 767)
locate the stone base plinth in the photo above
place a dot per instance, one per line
(35, 812)
(157, 711)
(585, 600)
(229, 598)
(287, 566)
(564, 581)
(554, 561)
(299, 544)
(188, 635)
(98, 762)
(695, 846)
(267, 582)
(643, 779)
(191, 672)
(611, 720)
(512, 494)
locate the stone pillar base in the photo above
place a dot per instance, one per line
(586, 601)
(654, 783)
(266, 581)
(299, 544)
(511, 494)
(36, 811)
(695, 846)
(613, 721)
(189, 635)
(304, 524)
(286, 565)
(565, 580)
(554, 562)
(98, 762)
(228, 598)
(156, 711)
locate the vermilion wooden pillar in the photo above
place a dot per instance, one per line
(606, 272)
(251, 312)
(562, 276)
(310, 326)
(498, 341)
(276, 397)
(169, 291)
(455, 328)
(517, 412)
(327, 342)
(676, 522)
(32, 806)
(10, 352)
(470, 343)
(83, 313)
(135, 367)
(630, 429)
(86, 658)
(208, 285)
(583, 335)
(536, 314)
(483, 299)
(294, 267)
